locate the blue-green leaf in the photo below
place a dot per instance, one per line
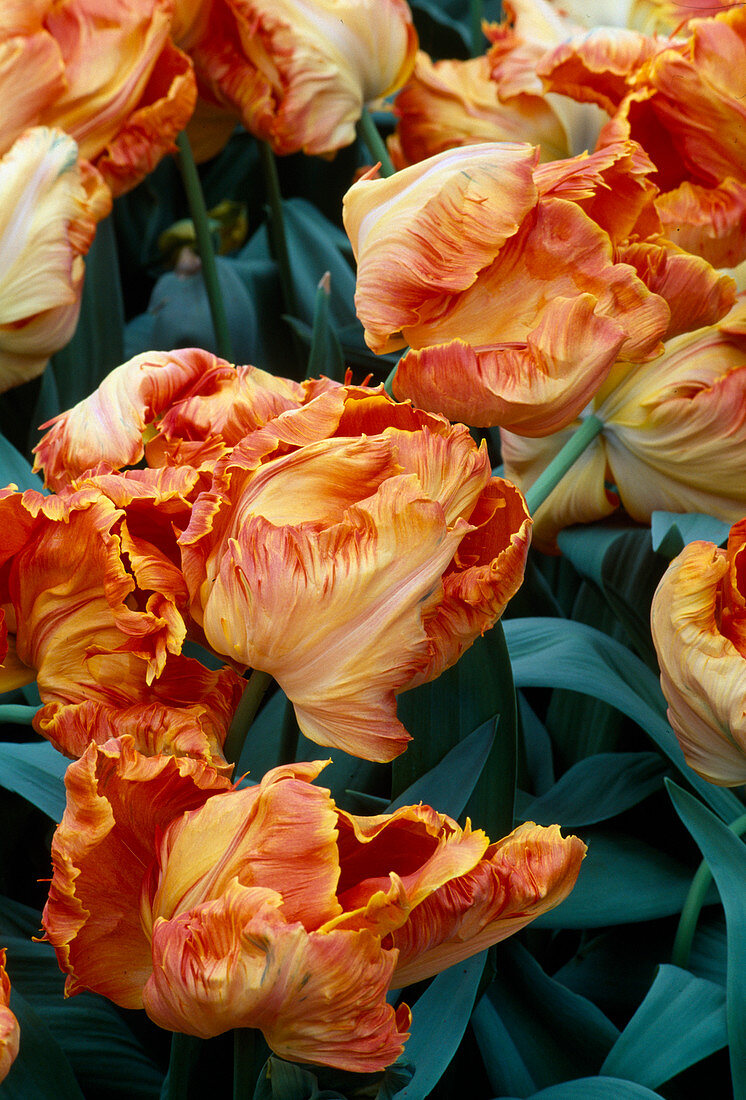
(597, 788)
(36, 772)
(680, 1022)
(532, 1031)
(560, 654)
(448, 786)
(726, 856)
(439, 1020)
(672, 531)
(41, 1069)
(592, 1088)
(622, 880)
(15, 469)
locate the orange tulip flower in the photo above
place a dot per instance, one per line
(446, 104)
(95, 604)
(333, 521)
(125, 110)
(683, 101)
(268, 907)
(298, 74)
(353, 548)
(698, 620)
(10, 1033)
(673, 437)
(51, 204)
(518, 286)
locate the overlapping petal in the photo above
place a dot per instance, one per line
(51, 205)
(339, 563)
(118, 802)
(699, 630)
(672, 438)
(451, 103)
(268, 907)
(509, 280)
(98, 607)
(298, 77)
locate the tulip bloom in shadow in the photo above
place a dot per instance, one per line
(9, 1031)
(269, 907)
(698, 620)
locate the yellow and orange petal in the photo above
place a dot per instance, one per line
(118, 802)
(126, 110)
(10, 1033)
(528, 873)
(697, 619)
(51, 205)
(452, 103)
(105, 430)
(299, 78)
(673, 435)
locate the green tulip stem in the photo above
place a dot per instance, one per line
(695, 899)
(376, 145)
(256, 686)
(20, 715)
(197, 209)
(184, 1052)
(249, 1056)
(476, 13)
(278, 236)
(549, 478)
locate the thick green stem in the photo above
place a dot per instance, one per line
(197, 208)
(476, 13)
(184, 1052)
(695, 899)
(561, 463)
(14, 712)
(249, 1056)
(277, 227)
(374, 141)
(388, 385)
(246, 710)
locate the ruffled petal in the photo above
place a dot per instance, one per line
(534, 389)
(106, 429)
(317, 997)
(703, 674)
(526, 874)
(336, 614)
(118, 800)
(426, 232)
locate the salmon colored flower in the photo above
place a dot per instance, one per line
(268, 907)
(298, 74)
(683, 101)
(350, 546)
(95, 605)
(446, 104)
(10, 1033)
(673, 437)
(512, 282)
(698, 619)
(353, 548)
(125, 109)
(51, 204)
